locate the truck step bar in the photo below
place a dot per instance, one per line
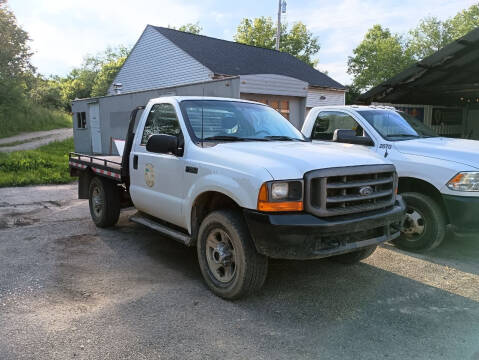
(161, 228)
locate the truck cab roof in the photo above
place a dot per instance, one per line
(184, 98)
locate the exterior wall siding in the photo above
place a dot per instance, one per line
(156, 62)
(332, 97)
(273, 84)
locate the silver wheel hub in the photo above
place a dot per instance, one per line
(97, 201)
(220, 255)
(413, 225)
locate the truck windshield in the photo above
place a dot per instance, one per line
(216, 120)
(396, 125)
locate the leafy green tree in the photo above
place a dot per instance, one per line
(464, 22)
(191, 28)
(428, 37)
(46, 92)
(297, 41)
(259, 32)
(432, 34)
(380, 56)
(14, 60)
(94, 76)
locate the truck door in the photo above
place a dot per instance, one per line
(94, 114)
(156, 179)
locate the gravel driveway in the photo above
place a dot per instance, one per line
(71, 291)
(33, 140)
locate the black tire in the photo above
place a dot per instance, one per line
(104, 199)
(355, 256)
(424, 212)
(232, 268)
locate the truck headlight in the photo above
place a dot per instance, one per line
(281, 196)
(465, 181)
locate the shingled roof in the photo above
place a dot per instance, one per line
(232, 58)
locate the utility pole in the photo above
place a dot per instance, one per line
(281, 10)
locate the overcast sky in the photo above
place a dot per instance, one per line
(64, 31)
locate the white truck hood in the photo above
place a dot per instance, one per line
(290, 160)
(456, 150)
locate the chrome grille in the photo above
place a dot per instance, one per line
(349, 190)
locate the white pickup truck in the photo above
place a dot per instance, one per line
(438, 176)
(238, 181)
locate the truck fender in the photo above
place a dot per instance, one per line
(244, 196)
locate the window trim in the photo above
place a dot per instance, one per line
(81, 119)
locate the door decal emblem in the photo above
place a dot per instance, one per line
(149, 175)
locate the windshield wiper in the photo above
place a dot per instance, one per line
(224, 137)
(282, 138)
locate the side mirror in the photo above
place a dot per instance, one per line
(162, 144)
(350, 137)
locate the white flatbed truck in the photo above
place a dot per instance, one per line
(238, 181)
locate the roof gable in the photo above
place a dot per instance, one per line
(232, 58)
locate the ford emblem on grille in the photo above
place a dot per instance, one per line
(365, 190)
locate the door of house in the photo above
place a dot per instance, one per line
(94, 112)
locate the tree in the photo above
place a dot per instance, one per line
(464, 22)
(297, 41)
(378, 57)
(94, 76)
(14, 60)
(432, 34)
(428, 37)
(189, 27)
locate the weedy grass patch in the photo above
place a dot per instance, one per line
(33, 118)
(46, 165)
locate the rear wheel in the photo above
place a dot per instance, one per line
(227, 256)
(355, 256)
(424, 226)
(104, 200)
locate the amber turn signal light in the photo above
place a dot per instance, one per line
(265, 205)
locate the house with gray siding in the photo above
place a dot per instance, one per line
(164, 57)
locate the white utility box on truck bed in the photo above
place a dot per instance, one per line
(238, 181)
(438, 176)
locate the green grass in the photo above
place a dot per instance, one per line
(32, 118)
(46, 165)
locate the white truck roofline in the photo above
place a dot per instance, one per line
(184, 98)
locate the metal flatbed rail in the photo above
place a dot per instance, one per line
(100, 165)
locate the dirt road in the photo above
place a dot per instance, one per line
(33, 140)
(71, 291)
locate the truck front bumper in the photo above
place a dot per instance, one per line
(303, 236)
(462, 212)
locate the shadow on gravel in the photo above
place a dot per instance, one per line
(459, 252)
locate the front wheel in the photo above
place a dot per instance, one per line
(424, 226)
(228, 259)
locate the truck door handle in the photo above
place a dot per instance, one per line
(135, 162)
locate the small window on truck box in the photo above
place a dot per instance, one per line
(81, 120)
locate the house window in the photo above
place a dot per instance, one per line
(81, 120)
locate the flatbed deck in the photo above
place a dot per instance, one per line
(107, 166)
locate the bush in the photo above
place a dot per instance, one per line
(46, 165)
